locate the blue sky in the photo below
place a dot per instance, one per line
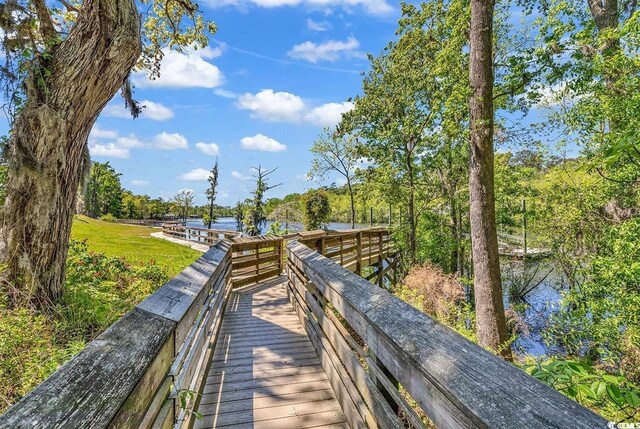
(276, 73)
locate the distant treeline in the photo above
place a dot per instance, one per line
(104, 197)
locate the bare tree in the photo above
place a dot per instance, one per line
(183, 201)
(336, 153)
(256, 218)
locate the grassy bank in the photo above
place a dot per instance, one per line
(110, 268)
(133, 243)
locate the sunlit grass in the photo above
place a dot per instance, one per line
(134, 243)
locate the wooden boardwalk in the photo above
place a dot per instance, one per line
(265, 372)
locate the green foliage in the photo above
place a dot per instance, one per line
(100, 288)
(615, 397)
(602, 314)
(211, 196)
(317, 211)
(29, 352)
(108, 218)
(103, 193)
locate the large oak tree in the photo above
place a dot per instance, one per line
(64, 60)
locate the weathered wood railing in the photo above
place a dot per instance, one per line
(134, 373)
(381, 356)
(197, 235)
(390, 364)
(148, 222)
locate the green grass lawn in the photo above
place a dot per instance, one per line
(133, 243)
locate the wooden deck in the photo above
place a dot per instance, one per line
(265, 372)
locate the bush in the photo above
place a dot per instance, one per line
(28, 352)
(614, 397)
(601, 317)
(108, 218)
(439, 295)
(99, 290)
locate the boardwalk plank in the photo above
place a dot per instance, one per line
(264, 371)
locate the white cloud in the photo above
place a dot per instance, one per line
(188, 70)
(373, 7)
(169, 141)
(238, 175)
(332, 50)
(108, 150)
(136, 182)
(156, 111)
(318, 25)
(197, 175)
(99, 133)
(130, 142)
(225, 93)
(262, 143)
(208, 148)
(329, 114)
(273, 106)
(150, 110)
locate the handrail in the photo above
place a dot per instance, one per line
(133, 373)
(198, 235)
(370, 343)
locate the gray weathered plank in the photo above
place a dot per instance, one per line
(457, 383)
(90, 389)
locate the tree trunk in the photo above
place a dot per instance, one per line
(412, 216)
(210, 213)
(48, 145)
(453, 213)
(491, 326)
(353, 204)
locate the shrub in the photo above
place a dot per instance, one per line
(108, 218)
(614, 397)
(439, 295)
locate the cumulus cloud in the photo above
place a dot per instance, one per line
(273, 106)
(108, 150)
(137, 182)
(197, 175)
(188, 70)
(373, 7)
(150, 110)
(262, 143)
(108, 143)
(332, 50)
(208, 148)
(318, 25)
(99, 133)
(286, 107)
(329, 114)
(169, 141)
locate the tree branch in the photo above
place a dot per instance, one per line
(47, 29)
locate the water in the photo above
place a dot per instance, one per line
(545, 284)
(229, 224)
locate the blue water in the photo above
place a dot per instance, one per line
(229, 224)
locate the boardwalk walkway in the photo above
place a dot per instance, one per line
(265, 372)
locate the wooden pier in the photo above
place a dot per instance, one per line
(274, 332)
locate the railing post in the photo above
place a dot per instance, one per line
(282, 255)
(359, 253)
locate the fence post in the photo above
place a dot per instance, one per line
(359, 253)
